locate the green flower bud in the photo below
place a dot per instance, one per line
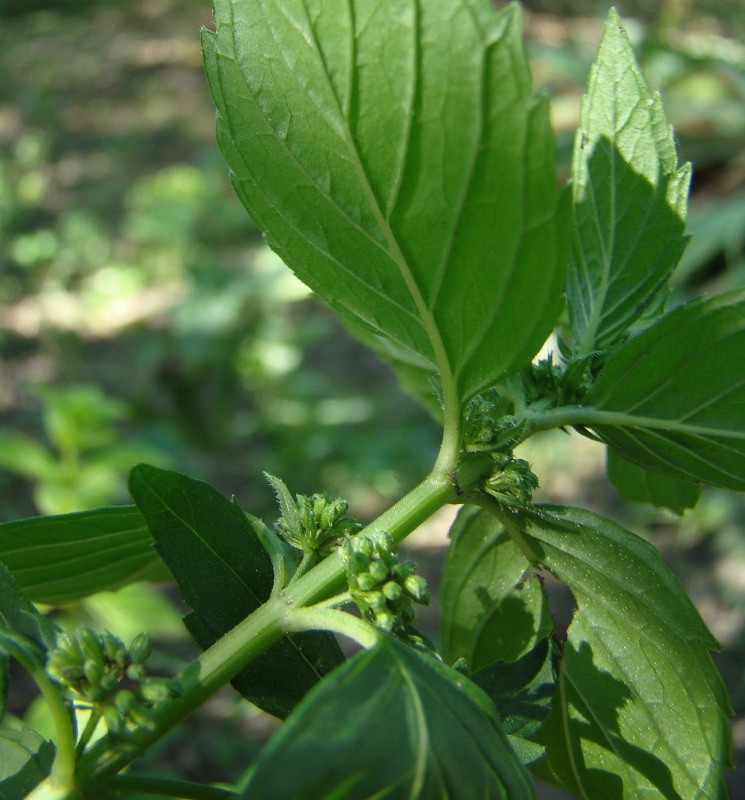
(140, 648)
(366, 582)
(93, 671)
(155, 692)
(378, 570)
(385, 620)
(392, 590)
(90, 644)
(108, 682)
(124, 701)
(416, 588)
(375, 600)
(135, 672)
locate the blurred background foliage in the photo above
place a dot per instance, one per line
(142, 317)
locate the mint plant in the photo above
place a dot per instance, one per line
(397, 159)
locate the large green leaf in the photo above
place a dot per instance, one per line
(672, 399)
(25, 760)
(630, 198)
(63, 558)
(397, 161)
(640, 710)
(391, 723)
(224, 574)
(485, 618)
(639, 485)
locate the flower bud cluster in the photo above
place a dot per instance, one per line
(101, 672)
(513, 482)
(318, 524)
(382, 587)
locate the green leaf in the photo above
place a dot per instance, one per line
(19, 615)
(639, 485)
(25, 634)
(630, 198)
(640, 710)
(672, 399)
(484, 619)
(62, 558)
(25, 760)
(522, 692)
(397, 161)
(224, 574)
(393, 723)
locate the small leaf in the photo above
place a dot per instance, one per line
(630, 199)
(640, 709)
(482, 567)
(398, 163)
(224, 574)
(672, 399)
(62, 558)
(639, 485)
(392, 723)
(25, 760)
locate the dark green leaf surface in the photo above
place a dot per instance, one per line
(18, 614)
(484, 618)
(640, 710)
(391, 723)
(25, 760)
(522, 692)
(639, 485)
(630, 198)
(224, 574)
(397, 161)
(672, 399)
(63, 558)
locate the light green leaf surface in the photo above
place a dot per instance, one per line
(484, 618)
(25, 760)
(630, 198)
(224, 574)
(672, 399)
(639, 485)
(62, 558)
(397, 161)
(391, 723)
(640, 710)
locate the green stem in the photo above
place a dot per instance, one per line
(220, 663)
(318, 618)
(165, 787)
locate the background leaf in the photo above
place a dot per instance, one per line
(672, 399)
(25, 760)
(224, 574)
(62, 558)
(397, 162)
(484, 617)
(522, 692)
(392, 723)
(640, 707)
(630, 198)
(639, 485)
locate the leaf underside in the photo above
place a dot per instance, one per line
(640, 710)
(397, 161)
(672, 399)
